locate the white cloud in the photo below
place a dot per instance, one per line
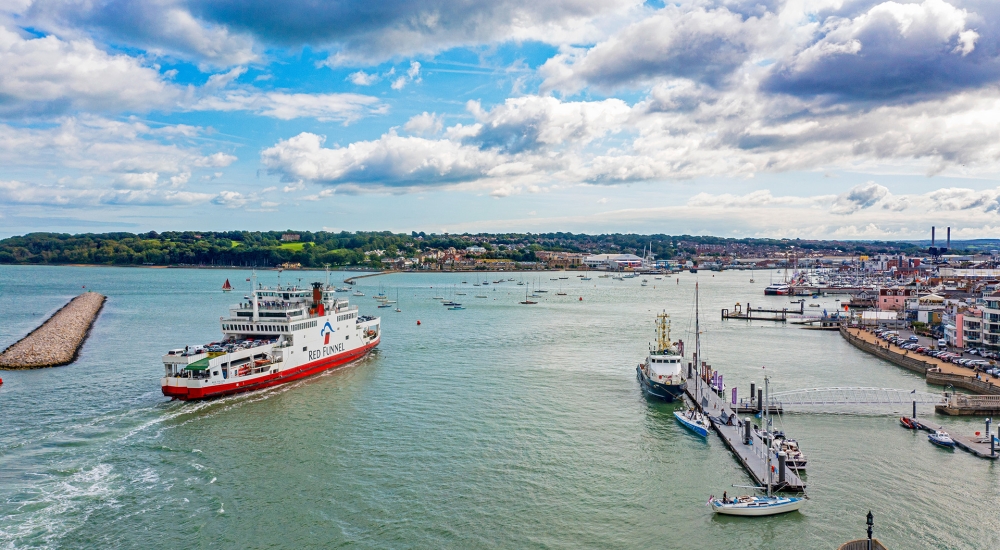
(412, 75)
(676, 41)
(161, 27)
(390, 161)
(362, 78)
(16, 192)
(48, 75)
(424, 123)
(325, 107)
(860, 197)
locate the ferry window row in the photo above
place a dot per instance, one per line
(261, 328)
(346, 317)
(300, 326)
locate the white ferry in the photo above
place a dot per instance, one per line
(777, 289)
(277, 336)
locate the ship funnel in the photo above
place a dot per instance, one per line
(317, 294)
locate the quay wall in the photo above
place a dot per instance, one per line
(58, 340)
(982, 387)
(908, 363)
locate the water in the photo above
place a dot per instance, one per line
(502, 425)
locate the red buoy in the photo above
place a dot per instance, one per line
(418, 322)
(581, 298)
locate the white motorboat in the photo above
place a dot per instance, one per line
(755, 506)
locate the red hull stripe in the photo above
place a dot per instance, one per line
(268, 381)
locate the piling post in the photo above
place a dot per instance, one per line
(753, 392)
(989, 434)
(914, 408)
(760, 400)
(781, 467)
(746, 431)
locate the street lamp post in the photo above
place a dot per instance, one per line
(871, 523)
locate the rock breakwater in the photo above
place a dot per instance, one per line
(57, 341)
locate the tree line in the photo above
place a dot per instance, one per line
(316, 249)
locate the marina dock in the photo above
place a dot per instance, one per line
(749, 456)
(58, 340)
(977, 445)
(759, 314)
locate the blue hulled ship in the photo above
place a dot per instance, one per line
(661, 376)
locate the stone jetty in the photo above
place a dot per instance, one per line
(57, 341)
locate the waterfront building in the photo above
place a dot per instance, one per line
(560, 260)
(991, 322)
(894, 298)
(969, 328)
(613, 261)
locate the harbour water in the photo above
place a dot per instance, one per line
(502, 425)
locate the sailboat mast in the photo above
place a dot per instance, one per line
(697, 342)
(767, 431)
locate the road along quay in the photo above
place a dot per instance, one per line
(937, 371)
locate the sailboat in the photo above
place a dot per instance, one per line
(749, 505)
(226, 287)
(692, 419)
(397, 302)
(526, 300)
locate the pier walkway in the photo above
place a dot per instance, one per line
(350, 280)
(977, 445)
(751, 456)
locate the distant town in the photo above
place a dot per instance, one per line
(433, 251)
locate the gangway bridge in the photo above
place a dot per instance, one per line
(868, 398)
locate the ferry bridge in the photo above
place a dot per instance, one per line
(846, 397)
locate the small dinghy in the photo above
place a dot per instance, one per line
(941, 439)
(907, 423)
(693, 421)
(755, 506)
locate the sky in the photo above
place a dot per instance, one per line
(845, 119)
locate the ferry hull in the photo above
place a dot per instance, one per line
(667, 392)
(185, 393)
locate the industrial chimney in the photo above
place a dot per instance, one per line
(948, 245)
(932, 236)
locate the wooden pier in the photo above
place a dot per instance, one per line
(751, 456)
(977, 445)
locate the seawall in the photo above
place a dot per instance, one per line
(58, 340)
(931, 369)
